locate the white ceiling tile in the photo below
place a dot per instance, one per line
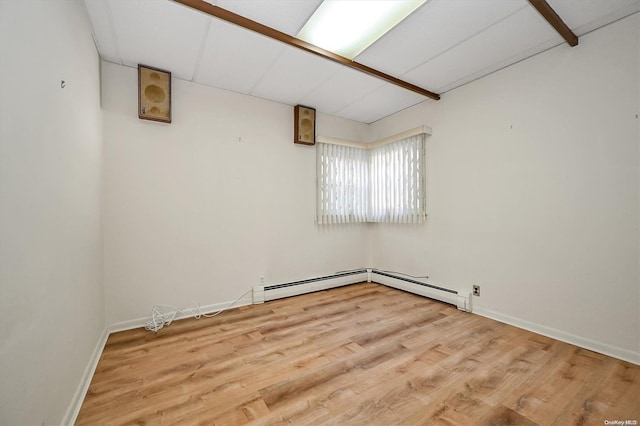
(432, 29)
(340, 90)
(294, 74)
(499, 65)
(236, 66)
(524, 31)
(287, 16)
(161, 34)
(583, 16)
(443, 45)
(101, 23)
(383, 101)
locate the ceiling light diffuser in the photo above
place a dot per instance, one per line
(347, 27)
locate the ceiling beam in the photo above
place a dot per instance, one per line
(556, 22)
(243, 22)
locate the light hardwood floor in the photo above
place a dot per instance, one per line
(358, 355)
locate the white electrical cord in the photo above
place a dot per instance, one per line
(406, 275)
(163, 315)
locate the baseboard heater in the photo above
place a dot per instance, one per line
(295, 288)
(278, 291)
(453, 297)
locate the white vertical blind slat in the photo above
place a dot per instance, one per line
(383, 184)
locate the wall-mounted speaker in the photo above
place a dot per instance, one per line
(154, 94)
(304, 127)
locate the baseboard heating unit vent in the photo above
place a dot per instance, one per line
(263, 294)
(295, 288)
(461, 301)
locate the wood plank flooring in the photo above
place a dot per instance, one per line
(361, 354)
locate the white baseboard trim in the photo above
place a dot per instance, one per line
(247, 299)
(78, 397)
(609, 350)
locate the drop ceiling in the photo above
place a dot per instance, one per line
(442, 45)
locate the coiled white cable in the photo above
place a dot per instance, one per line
(164, 315)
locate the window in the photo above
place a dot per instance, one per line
(382, 184)
(343, 183)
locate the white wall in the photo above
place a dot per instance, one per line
(533, 192)
(194, 215)
(51, 293)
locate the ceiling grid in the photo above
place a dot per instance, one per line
(442, 45)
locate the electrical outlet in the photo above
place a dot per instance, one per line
(261, 280)
(476, 290)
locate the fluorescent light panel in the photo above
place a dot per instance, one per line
(347, 27)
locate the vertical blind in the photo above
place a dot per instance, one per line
(383, 184)
(343, 182)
